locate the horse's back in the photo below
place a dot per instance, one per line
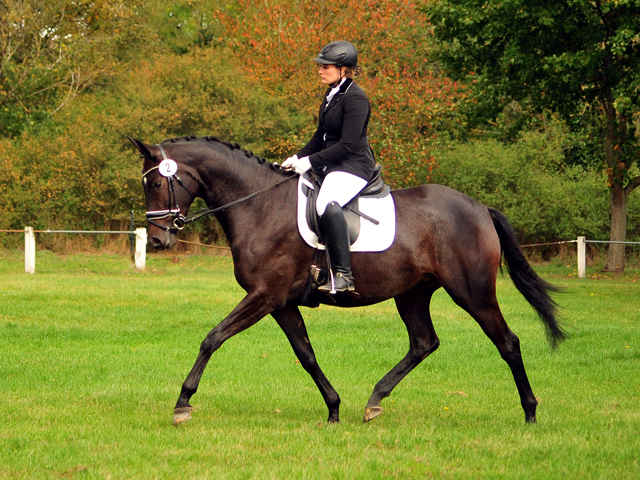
(446, 225)
(438, 207)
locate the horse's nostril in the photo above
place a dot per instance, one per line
(155, 242)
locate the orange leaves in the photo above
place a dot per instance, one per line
(278, 42)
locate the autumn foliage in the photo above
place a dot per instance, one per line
(86, 175)
(276, 42)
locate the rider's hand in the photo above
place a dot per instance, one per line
(302, 165)
(289, 163)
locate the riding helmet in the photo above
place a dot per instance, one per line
(340, 54)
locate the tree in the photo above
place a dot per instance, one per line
(83, 173)
(574, 57)
(51, 50)
(275, 43)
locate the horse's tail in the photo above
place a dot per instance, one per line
(531, 286)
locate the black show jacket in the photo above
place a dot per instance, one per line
(340, 142)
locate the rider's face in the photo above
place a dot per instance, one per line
(329, 74)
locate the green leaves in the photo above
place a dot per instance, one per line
(53, 50)
(564, 53)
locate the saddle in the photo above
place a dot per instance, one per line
(376, 188)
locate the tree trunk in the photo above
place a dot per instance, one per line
(615, 259)
(615, 133)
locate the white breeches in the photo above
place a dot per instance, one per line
(338, 187)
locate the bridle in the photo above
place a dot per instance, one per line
(173, 210)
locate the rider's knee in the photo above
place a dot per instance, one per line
(333, 208)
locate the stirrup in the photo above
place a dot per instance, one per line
(343, 282)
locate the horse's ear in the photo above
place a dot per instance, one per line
(142, 148)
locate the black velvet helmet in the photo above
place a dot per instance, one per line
(340, 54)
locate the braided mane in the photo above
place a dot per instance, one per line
(229, 145)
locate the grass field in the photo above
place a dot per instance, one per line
(92, 356)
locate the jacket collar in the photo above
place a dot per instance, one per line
(343, 89)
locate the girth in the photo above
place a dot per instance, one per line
(376, 188)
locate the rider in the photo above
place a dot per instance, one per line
(339, 153)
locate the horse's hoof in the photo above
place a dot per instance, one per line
(181, 415)
(372, 412)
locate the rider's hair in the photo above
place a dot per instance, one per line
(351, 72)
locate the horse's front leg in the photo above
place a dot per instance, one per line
(248, 312)
(292, 323)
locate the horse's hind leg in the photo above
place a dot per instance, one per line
(508, 344)
(479, 300)
(292, 323)
(413, 307)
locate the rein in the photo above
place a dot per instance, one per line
(209, 210)
(179, 220)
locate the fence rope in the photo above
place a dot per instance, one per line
(607, 241)
(204, 245)
(576, 241)
(550, 243)
(128, 232)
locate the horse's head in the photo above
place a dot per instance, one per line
(170, 187)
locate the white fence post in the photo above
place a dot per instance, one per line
(141, 248)
(29, 250)
(582, 257)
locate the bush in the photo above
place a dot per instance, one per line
(84, 173)
(544, 200)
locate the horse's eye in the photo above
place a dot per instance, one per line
(156, 185)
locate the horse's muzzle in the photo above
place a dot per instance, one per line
(160, 240)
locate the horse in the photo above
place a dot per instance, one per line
(443, 239)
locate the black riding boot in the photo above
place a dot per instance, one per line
(336, 235)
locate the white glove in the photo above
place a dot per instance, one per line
(302, 165)
(289, 162)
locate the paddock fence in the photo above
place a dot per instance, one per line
(139, 235)
(140, 252)
(582, 250)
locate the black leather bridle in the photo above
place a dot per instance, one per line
(173, 209)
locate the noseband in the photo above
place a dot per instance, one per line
(173, 210)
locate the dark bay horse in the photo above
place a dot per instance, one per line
(443, 239)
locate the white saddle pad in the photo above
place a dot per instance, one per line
(372, 238)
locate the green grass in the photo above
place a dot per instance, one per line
(93, 354)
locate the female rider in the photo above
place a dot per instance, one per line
(339, 154)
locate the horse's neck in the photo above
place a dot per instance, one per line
(228, 182)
